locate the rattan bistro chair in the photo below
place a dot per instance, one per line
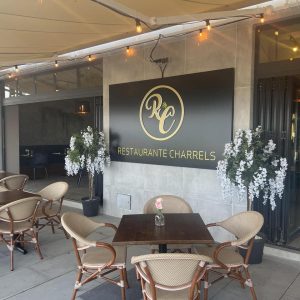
(171, 204)
(227, 261)
(14, 182)
(17, 224)
(49, 212)
(94, 259)
(174, 276)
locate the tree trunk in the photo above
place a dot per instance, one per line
(249, 202)
(91, 186)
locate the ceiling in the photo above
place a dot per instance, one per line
(37, 30)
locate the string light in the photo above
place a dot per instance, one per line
(262, 19)
(295, 49)
(139, 28)
(208, 26)
(203, 35)
(276, 33)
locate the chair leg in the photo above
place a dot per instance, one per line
(52, 226)
(33, 173)
(11, 249)
(250, 283)
(123, 286)
(46, 172)
(125, 278)
(78, 279)
(205, 289)
(37, 244)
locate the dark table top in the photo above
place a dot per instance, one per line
(178, 229)
(6, 174)
(10, 196)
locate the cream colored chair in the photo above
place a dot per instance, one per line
(17, 225)
(14, 182)
(49, 212)
(171, 204)
(226, 259)
(174, 276)
(94, 258)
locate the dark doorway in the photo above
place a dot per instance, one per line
(277, 110)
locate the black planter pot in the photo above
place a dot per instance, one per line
(90, 206)
(257, 251)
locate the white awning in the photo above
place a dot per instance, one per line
(37, 30)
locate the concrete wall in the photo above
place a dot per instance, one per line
(227, 47)
(11, 115)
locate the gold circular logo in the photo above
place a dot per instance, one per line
(161, 112)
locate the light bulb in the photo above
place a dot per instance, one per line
(56, 64)
(139, 28)
(262, 19)
(208, 26)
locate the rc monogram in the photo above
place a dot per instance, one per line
(166, 115)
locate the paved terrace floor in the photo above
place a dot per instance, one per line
(54, 276)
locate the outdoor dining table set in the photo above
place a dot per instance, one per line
(23, 214)
(187, 252)
(182, 251)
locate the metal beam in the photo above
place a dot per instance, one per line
(217, 15)
(124, 10)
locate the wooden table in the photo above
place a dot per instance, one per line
(178, 229)
(11, 196)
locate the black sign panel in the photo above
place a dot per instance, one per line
(178, 121)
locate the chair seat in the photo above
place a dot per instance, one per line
(97, 257)
(18, 227)
(169, 295)
(229, 255)
(50, 211)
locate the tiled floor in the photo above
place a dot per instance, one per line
(54, 276)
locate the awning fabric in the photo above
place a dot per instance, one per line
(36, 30)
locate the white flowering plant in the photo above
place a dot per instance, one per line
(251, 165)
(87, 152)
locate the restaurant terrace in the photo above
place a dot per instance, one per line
(150, 149)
